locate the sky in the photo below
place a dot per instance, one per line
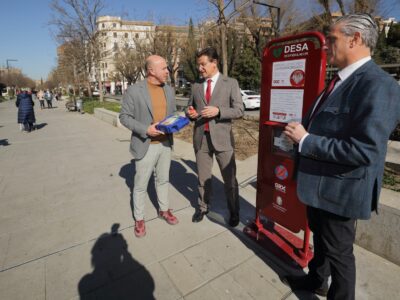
(26, 35)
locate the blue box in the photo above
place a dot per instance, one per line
(172, 123)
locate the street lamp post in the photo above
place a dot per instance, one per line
(8, 71)
(278, 21)
(8, 66)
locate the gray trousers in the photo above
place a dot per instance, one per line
(157, 159)
(227, 166)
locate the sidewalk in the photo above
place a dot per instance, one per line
(66, 227)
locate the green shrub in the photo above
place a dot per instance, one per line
(89, 104)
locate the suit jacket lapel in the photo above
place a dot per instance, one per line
(201, 91)
(343, 86)
(146, 97)
(217, 89)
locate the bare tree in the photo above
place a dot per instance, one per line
(75, 20)
(222, 22)
(168, 43)
(261, 23)
(129, 63)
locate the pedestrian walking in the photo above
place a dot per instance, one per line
(40, 96)
(49, 98)
(26, 114)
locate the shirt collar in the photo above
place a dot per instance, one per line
(347, 71)
(214, 78)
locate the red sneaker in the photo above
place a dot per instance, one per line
(140, 229)
(169, 217)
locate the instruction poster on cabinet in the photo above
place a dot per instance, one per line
(289, 73)
(286, 105)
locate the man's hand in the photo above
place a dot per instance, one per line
(153, 131)
(192, 113)
(209, 112)
(295, 131)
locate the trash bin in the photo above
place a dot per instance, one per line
(79, 105)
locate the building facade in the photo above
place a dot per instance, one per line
(115, 34)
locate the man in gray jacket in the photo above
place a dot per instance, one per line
(144, 105)
(215, 102)
(342, 148)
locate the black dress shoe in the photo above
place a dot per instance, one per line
(306, 283)
(198, 216)
(234, 220)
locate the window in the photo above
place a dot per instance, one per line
(104, 33)
(126, 35)
(115, 34)
(105, 65)
(137, 35)
(103, 25)
(115, 46)
(114, 25)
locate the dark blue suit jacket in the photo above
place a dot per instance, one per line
(342, 160)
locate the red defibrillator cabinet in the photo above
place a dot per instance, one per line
(293, 73)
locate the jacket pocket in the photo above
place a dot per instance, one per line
(344, 189)
(335, 119)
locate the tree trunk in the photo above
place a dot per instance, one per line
(101, 90)
(222, 27)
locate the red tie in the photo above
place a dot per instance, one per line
(208, 98)
(325, 95)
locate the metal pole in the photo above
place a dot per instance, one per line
(8, 69)
(278, 17)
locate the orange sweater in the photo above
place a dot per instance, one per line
(159, 105)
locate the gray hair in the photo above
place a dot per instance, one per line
(362, 23)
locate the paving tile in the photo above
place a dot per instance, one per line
(4, 240)
(168, 239)
(183, 274)
(205, 265)
(223, 287)
(377, 278)
(24, 282)
(64, 271)
(259, 266)
(255, 284)
(227, 250)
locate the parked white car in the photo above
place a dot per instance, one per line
(251, 99)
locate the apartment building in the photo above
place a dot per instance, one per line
(116, 33)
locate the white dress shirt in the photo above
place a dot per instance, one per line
(213, 82)
(343, 75)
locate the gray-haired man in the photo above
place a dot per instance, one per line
(342, 148)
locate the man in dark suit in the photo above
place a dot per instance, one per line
(342, 148)
(144, 105)
(214, 102)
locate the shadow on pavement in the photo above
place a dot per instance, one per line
(116, 274)
(40, 126)
(183, 181)
(128, 173)
(274, 257)
(4, 142)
